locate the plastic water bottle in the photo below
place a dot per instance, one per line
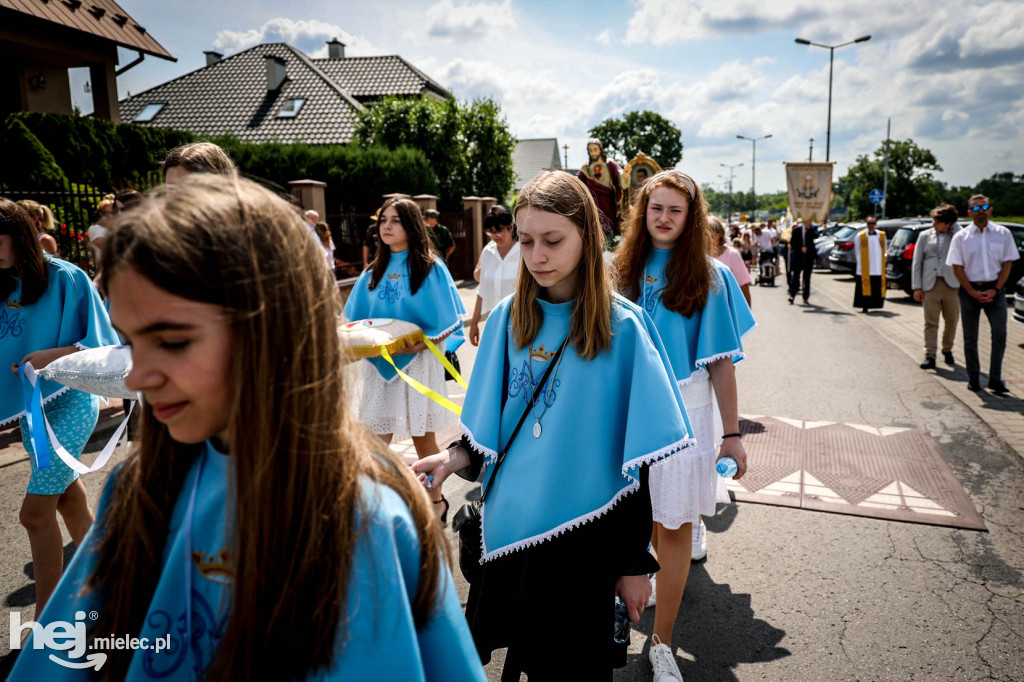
(727, 467)
(621, 635)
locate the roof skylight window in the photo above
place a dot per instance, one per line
(291, 107)
(149, 112)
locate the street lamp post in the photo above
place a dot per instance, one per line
(753, 167)
(831, 59)
(731, 174)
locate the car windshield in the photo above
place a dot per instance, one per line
(846, 232)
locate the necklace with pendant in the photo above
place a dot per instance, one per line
(537, 429)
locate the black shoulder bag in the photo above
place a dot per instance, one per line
(467, 521)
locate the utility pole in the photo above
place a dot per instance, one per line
(810, 154)
(566, 148)
(885, 179)
(753, 167)
(731, 174)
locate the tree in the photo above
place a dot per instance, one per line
(912, 189)
(641, 131)
(1005, 191)
(468, 144)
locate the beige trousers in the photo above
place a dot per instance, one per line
(943, 299)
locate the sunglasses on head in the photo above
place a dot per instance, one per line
(983, 207)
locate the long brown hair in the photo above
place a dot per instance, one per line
(688, 273)
(297, 453)
(421, 249)
(29, 263)
(590, 329)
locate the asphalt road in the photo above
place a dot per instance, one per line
(788, 594)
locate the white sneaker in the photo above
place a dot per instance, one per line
(664, 663)
(654, 590)
(700, 542)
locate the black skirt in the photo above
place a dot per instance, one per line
(569, 580)
(872, 300)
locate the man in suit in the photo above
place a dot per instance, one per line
(935, 284)
(801, 259)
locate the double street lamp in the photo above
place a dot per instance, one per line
(731, 174)
(753, 168)
(831, 59)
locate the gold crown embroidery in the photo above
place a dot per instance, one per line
(395, 277)
(650, 279)
(540, 354)
(13, 304)
(216, 567)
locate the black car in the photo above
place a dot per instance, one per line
(1018, 302)
(900, 255)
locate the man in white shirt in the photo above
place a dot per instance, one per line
(981, 256)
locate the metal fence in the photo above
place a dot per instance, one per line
(74, 210)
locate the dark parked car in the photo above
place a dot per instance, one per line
(1018, 302)
(900, 255)
(843, 259)
(823, 245)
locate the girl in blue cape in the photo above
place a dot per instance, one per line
(48, 309)
(701, 315)
(255, 531)
(407, 281)
(567, 521)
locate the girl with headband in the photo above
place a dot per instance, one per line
(699, 311)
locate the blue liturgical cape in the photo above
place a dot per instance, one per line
(380, 641)
(68, 313)
(436, 307)
(601, 420)
(710, 334)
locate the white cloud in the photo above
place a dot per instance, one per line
(467, 21)
(309, 35)
(604, 37)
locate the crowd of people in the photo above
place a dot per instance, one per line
(260, 519)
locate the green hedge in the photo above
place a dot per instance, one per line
(105, 155)
(356, 176)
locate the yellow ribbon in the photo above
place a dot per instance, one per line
(424, 390)
(865, 262)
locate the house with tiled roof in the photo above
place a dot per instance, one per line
(533, 156)
(41, 39)
(274, 91)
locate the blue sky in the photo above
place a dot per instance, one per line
(950, 74)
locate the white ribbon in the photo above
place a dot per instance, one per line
(66, 456)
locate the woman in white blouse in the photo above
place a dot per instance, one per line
(498, 267)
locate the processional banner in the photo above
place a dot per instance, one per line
(810, 190)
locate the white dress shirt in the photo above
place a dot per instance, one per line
(982, 252)
(498, 276)
(874, 254)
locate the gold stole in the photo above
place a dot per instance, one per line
(865, 262)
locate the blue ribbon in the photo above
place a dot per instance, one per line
(34, 417)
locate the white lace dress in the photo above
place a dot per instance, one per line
(395, 406)
(686, 486)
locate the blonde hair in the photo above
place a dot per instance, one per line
(590, 330)
(298, 453)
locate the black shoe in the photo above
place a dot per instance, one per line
(947, 357)
(863, 310)
(791, 300)
(998, 387)
(929, 363)
(805, 301)
(973, 385)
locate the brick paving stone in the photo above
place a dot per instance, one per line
(902, 324)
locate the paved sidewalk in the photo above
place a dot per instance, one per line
(902, 323)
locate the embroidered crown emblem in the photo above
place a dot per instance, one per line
(13, 304)
(216, 567)
(650, 279)
(540, 354)
(395, 277)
